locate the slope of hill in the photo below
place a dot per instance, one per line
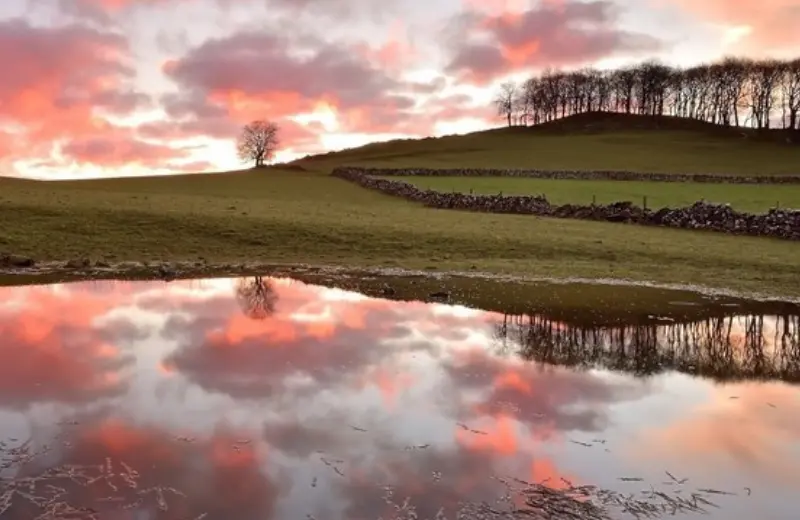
(598, 141)
(297, 213)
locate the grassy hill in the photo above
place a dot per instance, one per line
(298, 214)
(598, 141)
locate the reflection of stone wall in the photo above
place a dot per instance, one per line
(593, 175)
(780, 223)
(720, 348)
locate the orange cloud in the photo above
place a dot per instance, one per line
(499, 437)
(67, 83)
(772, 24)
(747, 428)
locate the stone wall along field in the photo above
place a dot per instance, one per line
(598, 175)
(779, 223)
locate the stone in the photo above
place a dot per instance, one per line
(779, 223)
(78, 263)
(16, 261)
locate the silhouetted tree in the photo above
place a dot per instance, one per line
(506, 100)
(790, 90)
(256, 297)
(730, 92)
(258, 142)
(708, 347)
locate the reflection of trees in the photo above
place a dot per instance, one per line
(722, 348)
(256, 297)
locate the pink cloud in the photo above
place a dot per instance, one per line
(773, 24)
(65, 80)
(552, 34)
(119, 151)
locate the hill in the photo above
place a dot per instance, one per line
(615, 122)
(593, 141)
(298, 214)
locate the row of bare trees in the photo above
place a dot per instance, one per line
(731, 92)
(727, 348)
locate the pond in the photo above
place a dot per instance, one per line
(259, 397)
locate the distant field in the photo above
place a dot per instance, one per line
(663, 151)
(299, 214)
(752, 198)
(290, 216)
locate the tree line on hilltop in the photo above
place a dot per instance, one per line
(731, 92)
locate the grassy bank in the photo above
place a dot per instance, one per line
(752, 198)
(291, 216)
(588, 142)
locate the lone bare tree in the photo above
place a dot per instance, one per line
(256, 297)
(258, 142)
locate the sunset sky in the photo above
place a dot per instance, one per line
(120, 87)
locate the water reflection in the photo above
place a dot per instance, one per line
(724, 348)
(270, 398)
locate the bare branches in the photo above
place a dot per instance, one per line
(731, 92)
(258, 142)
(506, 101)
(257, 297)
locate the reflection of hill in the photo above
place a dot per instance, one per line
(722, 348)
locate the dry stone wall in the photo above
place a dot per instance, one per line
(605, 175)
(779, 223)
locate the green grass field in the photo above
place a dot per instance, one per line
(752, 198)
(661, 151)
(300, 214)
(290, 216)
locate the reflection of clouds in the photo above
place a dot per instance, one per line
(549, 399)
(314, 335)
(332, 374)
(219, 474)
(52, 349)
(746, 428)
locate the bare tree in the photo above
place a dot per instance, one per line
(730, 92)
(258, 142)
(256, 297)
(791, 94)
(506, 100)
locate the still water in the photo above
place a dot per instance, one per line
(265, 398)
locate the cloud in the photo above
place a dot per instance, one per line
(553, 34)
(746, 428)
(324, 407)
(51, 353)
(120, 151)
(67, 82)
(209, 475)
(222, 350)
(255, 75)
(550, 400)
(107, 11)
(767, 26)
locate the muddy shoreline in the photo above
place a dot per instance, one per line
(598, 301)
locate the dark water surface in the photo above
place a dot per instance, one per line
(271, 398)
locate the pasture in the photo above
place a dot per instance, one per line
(754, 198)
(297, 213)
(584, 142)
(284, 215)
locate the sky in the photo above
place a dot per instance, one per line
(128, 87)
